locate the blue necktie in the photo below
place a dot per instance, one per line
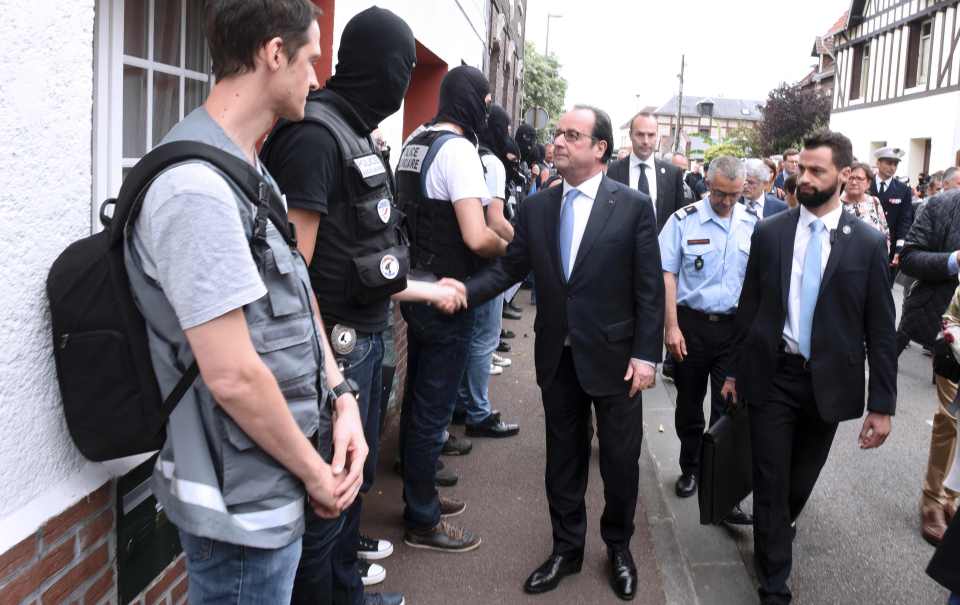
(566, 231)
(810, 286)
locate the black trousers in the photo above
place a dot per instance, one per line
(569, 433)
(790, 443)
(708, 356)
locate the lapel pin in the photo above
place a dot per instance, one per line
(846, 229)
(663, 170)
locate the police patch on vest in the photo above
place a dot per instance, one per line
(411, 160)
(384, 209)
(343, 339)
(369, 165)
(389, 266)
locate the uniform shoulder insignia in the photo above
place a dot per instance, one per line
(686, 210)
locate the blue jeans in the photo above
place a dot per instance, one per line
(437, 349)
(364, 365)
(473, 395)
(314, 580)
(222, 573)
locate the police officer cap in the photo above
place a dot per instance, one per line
(888, 153)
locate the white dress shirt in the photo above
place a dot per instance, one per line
(886, 183)
(651, 172)
(582, 205)
(759, 202)
(791, 329)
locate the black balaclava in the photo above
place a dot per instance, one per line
(513, 166)
(495, 136)
(463, 94)
(526, 140)
(376, 58)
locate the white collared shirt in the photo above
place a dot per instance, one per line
(791, 328)
(651, 172)
(759, 202)
(582, 205)
(886, 183)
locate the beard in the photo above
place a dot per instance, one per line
(814, 198)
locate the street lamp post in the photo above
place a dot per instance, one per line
(546, 51)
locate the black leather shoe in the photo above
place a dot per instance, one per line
(511, 314)
(503, 347)
(623, 574)
(686, 485)
(507, 334)
(493, 426)
(514, 307)
(546, 577)
(738, 517)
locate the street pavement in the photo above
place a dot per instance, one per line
(858, 539)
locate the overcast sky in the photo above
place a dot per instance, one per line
(622, 55)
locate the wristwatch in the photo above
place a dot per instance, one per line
(349, 385)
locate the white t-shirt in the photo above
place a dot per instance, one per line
(496, 175)
(456, 172)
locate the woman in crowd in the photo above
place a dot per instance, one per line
(858, 202)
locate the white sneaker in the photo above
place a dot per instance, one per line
(371, 573)
(495, 370)
(372, 549)
(503, 362)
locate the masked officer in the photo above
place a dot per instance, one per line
(340, 192)
(704, 249)
(441, 188)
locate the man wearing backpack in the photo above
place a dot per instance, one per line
(340, 192)
(219, 284)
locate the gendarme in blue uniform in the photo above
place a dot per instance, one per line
(708, 254)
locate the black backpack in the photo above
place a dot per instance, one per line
(111, 399)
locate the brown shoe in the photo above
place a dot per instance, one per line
(933, 524)
(442, 537)
(949, 510)
(449, 507)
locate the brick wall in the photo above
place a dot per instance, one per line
(72, 559)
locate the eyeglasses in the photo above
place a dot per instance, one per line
(855, 179)
(570, 135)
(720, 196)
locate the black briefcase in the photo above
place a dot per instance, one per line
(726, 468)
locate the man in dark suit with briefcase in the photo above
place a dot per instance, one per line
(815, 305)
(662, 181)
(592, 246)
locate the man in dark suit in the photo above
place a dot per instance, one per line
(791, 165)
(800, 373)
(896, 199)
(662, 181)
(592, 246)
(754, 197)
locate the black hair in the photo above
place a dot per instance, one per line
(790, 184)
(238, 29)
(840, 146)
(602, 129)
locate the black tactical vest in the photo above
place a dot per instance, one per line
(361, 257)
(436, 244)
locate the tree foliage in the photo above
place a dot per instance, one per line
(727, 147)
(791, 114)
(543, 86)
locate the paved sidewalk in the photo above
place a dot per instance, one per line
(502, 482)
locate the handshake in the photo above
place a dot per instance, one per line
(448, 295)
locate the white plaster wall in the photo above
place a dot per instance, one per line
(46, 89)
(454, 30)
(935, 117)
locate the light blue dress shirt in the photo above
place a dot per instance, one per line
(708, 254)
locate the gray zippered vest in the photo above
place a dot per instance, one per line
(211, 478)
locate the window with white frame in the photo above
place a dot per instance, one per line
(153, 68)
(923, 58)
